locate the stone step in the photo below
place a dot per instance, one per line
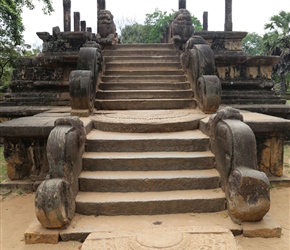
(144, 94)
(250, 96)
(144, 86)
(144, 104)
(147, 121)
(149, 203)
(148, 181)
(248, 92)
(144, 78)
(142, 59)
(256, 100)
(186, 141)
(152, 66)
(137, 53)
(144, 72)
(150, 161)
(140, 46)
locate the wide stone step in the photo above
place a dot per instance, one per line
(145, 94)
(144, 78)
(142, 59)
(251, 96)
(142, 46)
(136, 203)
(148, 181)
(186, 141)
(144, 86)
(257, 100)
(144, 104)
(147, 121)
(144, 72)
(136, 53)
(150, 161)
(134, 66)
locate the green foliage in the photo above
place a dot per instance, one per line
(3, 175)
(11, 38)
(253, 44)
(156, 25)
(11, 26)
(277, 42)
(153, 28)
(134, 33)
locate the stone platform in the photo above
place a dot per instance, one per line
(168, 238)
(111, 227)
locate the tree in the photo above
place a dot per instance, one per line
(153, 28)
(253, 45)
(11, 25)
(277, 42)
(11, 28)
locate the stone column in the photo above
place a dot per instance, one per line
(83, 26)
(228, 16)
(182, 4)
(205, 21)
(77, 18)
(101, 5)
(66, 15)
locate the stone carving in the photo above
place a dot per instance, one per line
(63, 41)
(163, 238)
(209, 93)
(199, 65)
(54, 200)
(83, 82)
(181, 28)
(106, 28)
(25, 157)
(234, 145)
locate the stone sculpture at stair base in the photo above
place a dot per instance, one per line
(55, 197)
(199, 64)
(234, 146)
(83, 81)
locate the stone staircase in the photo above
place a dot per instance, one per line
(154, 160)
(143, 76)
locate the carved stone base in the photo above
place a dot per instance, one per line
(169, 238)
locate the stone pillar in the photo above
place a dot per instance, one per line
(205, 21)
(182, 4)
(66, 15)
(228, 16)
(101, 5)
(77, 18)
(83, 26)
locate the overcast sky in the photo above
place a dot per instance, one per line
(248, 15)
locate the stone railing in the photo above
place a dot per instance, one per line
(55, 197)
(234, 146)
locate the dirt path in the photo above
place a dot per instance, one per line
(17, 212)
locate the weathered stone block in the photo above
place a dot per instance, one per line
(270, 147)
(36, 234)
(248, 193)
(54, 206)
(25, 157)
(267, 228)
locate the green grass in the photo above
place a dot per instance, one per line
(286, 159)
(3, 174)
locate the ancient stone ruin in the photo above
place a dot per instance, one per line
(110, 129)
